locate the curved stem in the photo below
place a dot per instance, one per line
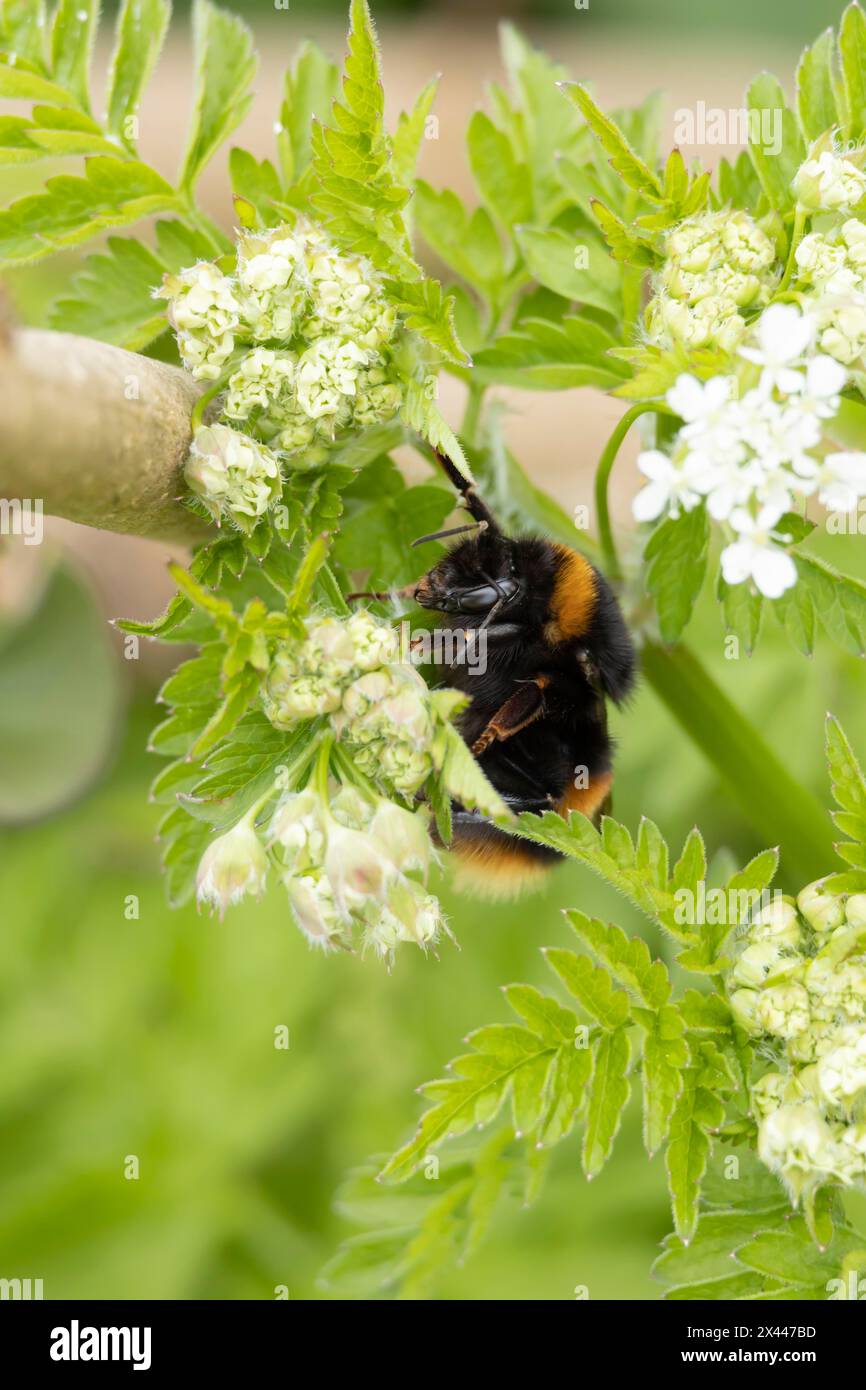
(204, 401)
(796, 237)
(602, 479)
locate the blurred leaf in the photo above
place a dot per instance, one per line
(59, 702)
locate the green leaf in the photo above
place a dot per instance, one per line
(555, 259)
(742, 607)
(608, 1096)
(358, 196)
(71, 209)
(626, 162)
(421, 414)
(543, 356)
(463, 778)
(257, 182)
(839, 601)
(816, 102)
(676, 556)
(775, 170)
(311, 86)
(795, 610)
(501, 179)
(411, 128)
(852, 52)
(696, 1111)
(429, 312)
(665, 1056)
(225, 66)
(24, 84)
(23, 29)
(847, 780)
(141, 29)
(591, 986)
(627, 958)
(468, 243)
(72, 35)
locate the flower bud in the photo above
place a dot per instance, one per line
(297, 826)
(842, 1075)
(829, 182)
(783, 1010)
(312, 903)
(761, 962)
(232, 866)
(822, 911)
(796, 1142)
(351, 809)
(232, 474)
(401, 836)
(777, 922)
(855, 910)
(744, 1005)
(358, 871)
(770, 1092)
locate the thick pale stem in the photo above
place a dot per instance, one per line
(99, 434)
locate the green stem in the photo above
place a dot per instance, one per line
(204, 401)
(472, 414)
(220, 243)
(782, 811)
(323, 763)
(796, 237)
(602, 479)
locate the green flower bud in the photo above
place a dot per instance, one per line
(744, 1005)
(855, 910)
(298, 828)
(822, 910)
(783, 1010)
(233, 475)
(796, 1142)
(762, 962)
(829, 182)
(777, 922)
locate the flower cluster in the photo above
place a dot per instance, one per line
(799, 986)
(718, 267)
(379, 708)
(301, 342)
(353, 867)
(831, 260)
(750, 454)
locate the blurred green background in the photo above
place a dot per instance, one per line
(127, 1030)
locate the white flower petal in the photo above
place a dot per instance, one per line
(773, 571)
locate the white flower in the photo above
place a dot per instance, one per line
(274, 286)
(263, 382)
(312, 902)
(783, 1010)
(824, 379)
(204, 312)
(671, 487)
(797, 1142)
(232, 866)
(328, 377)
(842, 1074)
(356, 867)
(842, 481)
(298, 827)
(232, 474)
(829, 182)
(784, 334)
(754, 555)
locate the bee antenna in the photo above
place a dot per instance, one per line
(474, 504)
(452, 531)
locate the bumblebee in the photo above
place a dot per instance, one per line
(557, 648)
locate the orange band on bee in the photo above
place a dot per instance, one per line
(586, 799)
(574, 597)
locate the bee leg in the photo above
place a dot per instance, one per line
(520, 709)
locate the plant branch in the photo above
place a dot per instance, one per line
(99, 434)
